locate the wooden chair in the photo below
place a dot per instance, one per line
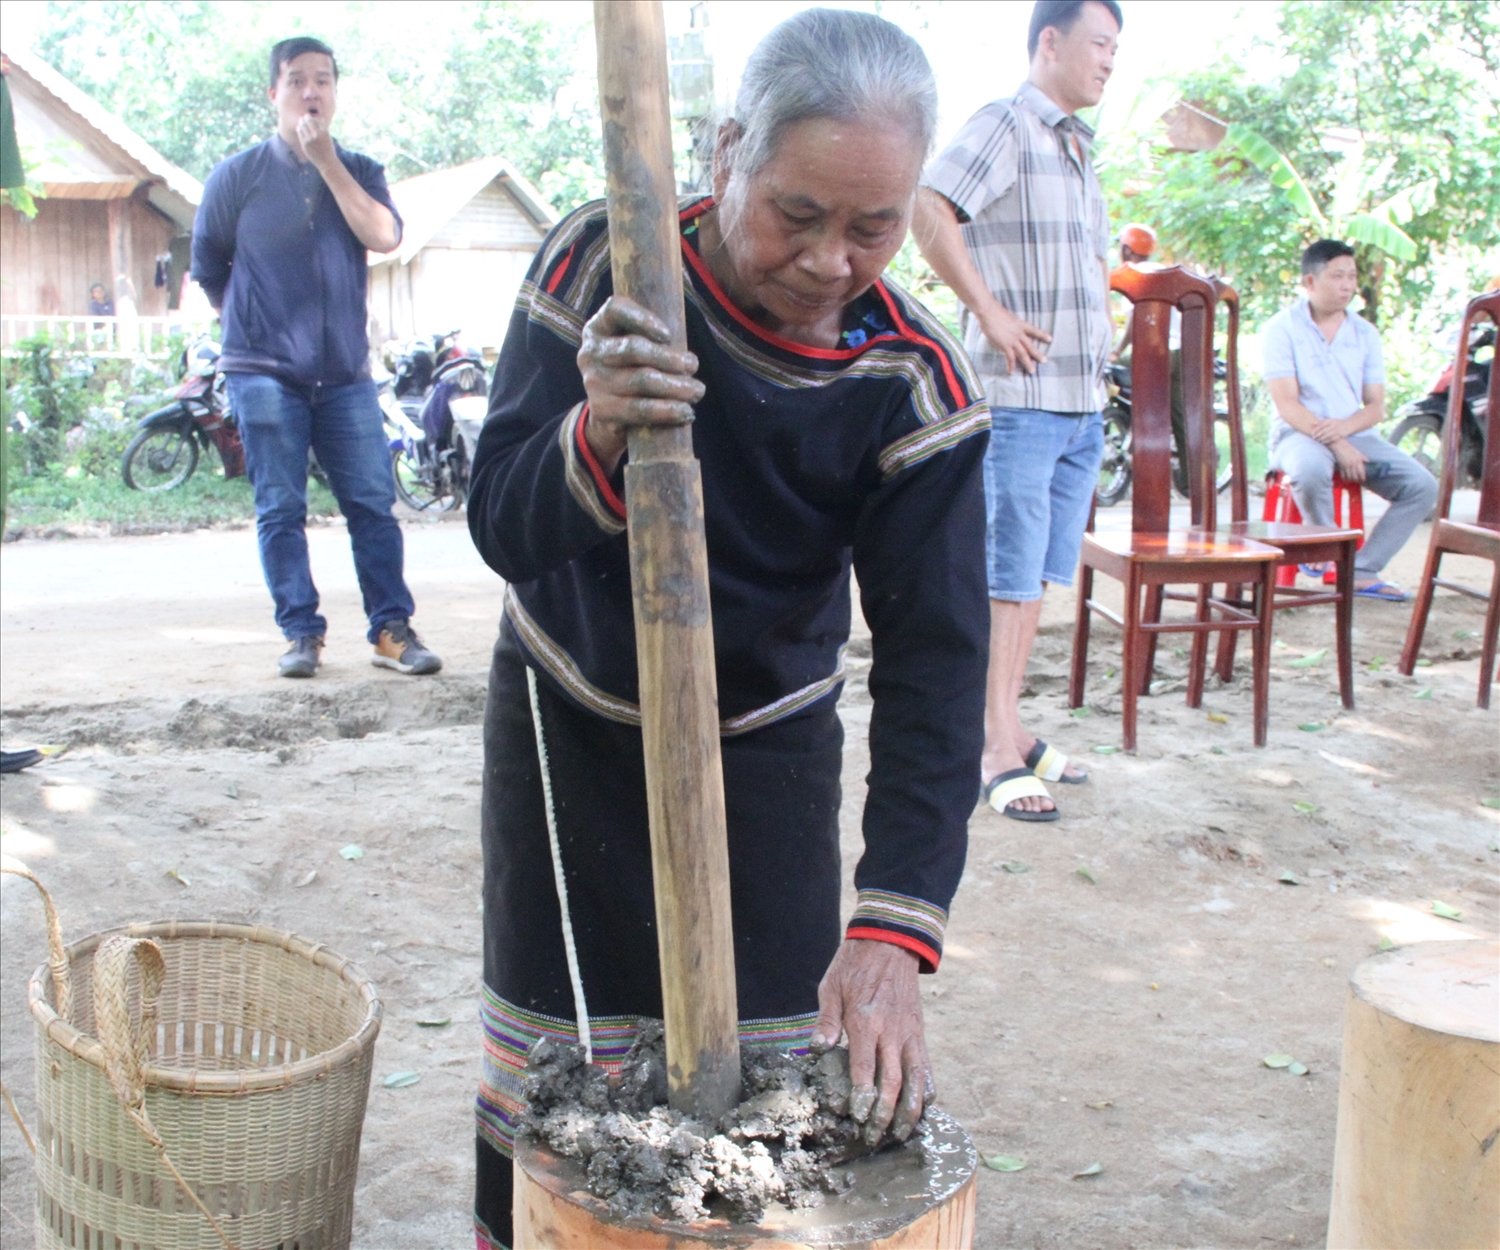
(1153, 555)
(1299, 543)
(1480, 538)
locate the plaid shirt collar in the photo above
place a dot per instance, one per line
(1045, 107)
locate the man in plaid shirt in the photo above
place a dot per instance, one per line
(1011, 216)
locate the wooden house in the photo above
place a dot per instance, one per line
(113, 208)
(469, 234)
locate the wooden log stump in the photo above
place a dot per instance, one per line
(897, 1202)
(1417, 1162)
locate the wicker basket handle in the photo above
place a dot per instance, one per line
(57, 957)
(127, 1043)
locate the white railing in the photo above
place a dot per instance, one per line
(101, 336)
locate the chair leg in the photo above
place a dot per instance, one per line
(1154, 595)
(1265, 605)
(1228, 638)
(1344, 625)
(1199, 655)
(1487, 648)
(1130, 661)
(1081, 636)
(1420, 609)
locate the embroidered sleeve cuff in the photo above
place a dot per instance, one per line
(882, 916)
(587, 482)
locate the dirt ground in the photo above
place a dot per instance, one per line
(1116, 1017)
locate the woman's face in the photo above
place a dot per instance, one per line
(816, 225)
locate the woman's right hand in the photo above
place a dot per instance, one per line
(632, 376)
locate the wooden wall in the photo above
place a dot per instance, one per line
(48, 263)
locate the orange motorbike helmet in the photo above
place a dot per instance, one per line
(1139, 239)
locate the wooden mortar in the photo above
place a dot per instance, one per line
(1417, 1161)
(898, 1200)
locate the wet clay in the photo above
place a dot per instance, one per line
(785, 1143)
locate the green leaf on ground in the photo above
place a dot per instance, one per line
(1495, 803)
(400, 1080)
(1078, 713)
(178, 877)
(1307, 809)
(1440, 908)
(1385, 944)
(1297, 1069)
(1376, 663)
(352, 851)
(1424, 662)
(1093, 1169)
(435, 1024)
(1461, 634)
(1278, 1061)
(1082, 871)
(1098, 1106)
(1279, 645)
(1424, 693)
(232, 790)
(1495, 844)
(1003, 1163)
(1108, 673)
(1311, 660)
(1106, 749)
(1015, 866)
(1288, 878)
(1312, 726)
(1218, 750)
(1218, 718)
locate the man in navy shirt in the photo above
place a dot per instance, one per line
(279, 246)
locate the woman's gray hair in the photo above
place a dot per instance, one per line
(831, 63)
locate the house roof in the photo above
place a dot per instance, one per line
(429, 201)
(100, 157)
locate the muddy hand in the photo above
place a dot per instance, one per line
(632, 376)
(870, 993)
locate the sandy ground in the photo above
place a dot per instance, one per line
(1118, 1018)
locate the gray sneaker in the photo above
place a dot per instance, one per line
(399, 648)
(303, 657)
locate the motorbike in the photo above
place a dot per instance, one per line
(434, 429)
(164, 453)
(1419, 424)
(1115, 469)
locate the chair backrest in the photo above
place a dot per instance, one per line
(1239, 490)
(1489, 485)
(1155, 292)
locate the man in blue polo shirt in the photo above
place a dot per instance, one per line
(279, 246)
(1324, 371)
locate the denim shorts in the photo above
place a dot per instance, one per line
(1039, 478)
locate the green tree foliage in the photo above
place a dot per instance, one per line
(1382, 109)
(421, 87)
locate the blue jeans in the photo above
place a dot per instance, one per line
(1039, 478)
(278, 423)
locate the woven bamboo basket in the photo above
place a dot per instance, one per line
(199, 1086)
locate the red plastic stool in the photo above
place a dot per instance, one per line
(1281, 506)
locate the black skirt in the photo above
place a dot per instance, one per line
(781, 790)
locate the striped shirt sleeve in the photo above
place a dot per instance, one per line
(981, 163)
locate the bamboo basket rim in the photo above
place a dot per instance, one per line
(218, 1084)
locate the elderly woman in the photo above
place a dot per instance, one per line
(838, 425)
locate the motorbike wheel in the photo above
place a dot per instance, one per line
(161, 458)
(1114, 470)
(1421, 437)
(419, 486)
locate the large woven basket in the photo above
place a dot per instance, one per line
(244, 1081)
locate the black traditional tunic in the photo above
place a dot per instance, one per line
(813, 460)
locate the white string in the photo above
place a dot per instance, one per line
(580, 1008)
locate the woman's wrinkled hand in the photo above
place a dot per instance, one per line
(870, 992)
(632, 376)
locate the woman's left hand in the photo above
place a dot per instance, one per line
(870, 992)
